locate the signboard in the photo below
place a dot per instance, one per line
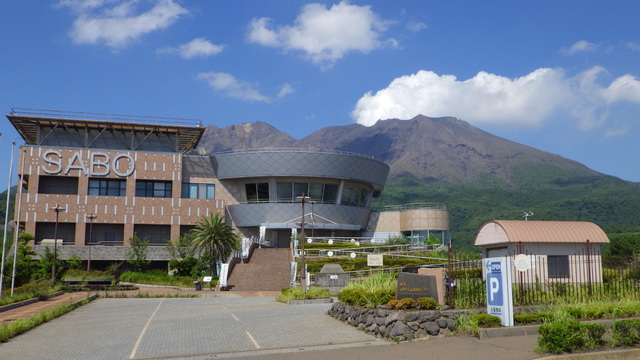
(499, 296)
(416, 286)
(98, 163)
(375, 260)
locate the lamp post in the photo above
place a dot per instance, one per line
(57, 209)
(303, 273)
(90, 217)
(313, 220)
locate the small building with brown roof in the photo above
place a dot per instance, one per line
(546, 251)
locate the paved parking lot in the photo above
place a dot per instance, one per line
(181, 328)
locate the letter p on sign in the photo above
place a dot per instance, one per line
(494, 287)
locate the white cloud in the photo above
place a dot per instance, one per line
(416, 26)
(228, 85)
(619, 131)
(527, 101)
(580, 46)
(323, 35)
(285, 90)
(117, 23)
(199, 47)
(633, 46)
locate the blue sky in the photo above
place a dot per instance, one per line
(560, 76)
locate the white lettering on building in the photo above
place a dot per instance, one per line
(100, 164)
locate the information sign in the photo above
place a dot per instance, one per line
(499, 295)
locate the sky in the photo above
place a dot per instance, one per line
(560, 76)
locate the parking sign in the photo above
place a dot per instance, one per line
(499, 297)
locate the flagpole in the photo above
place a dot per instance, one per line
(17, 226)
(6, 218)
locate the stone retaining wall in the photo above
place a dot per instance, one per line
(397, 324)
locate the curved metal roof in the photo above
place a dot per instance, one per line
(515, 231)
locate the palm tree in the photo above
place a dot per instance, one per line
(213, 237)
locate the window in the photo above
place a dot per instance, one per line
(257, 192)
(353, 196)
(58, 185)
(285, 192)
(558, 266)
(198, 191)
(153, 188)
(107, 187)
(156, 235)
(47, 230)
(330, 194)
(319, 192)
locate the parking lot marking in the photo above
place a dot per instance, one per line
(255, 343)
(135, 347)
(235, 317)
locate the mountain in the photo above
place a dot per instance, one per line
(443, 149)
(479, 176)
(258, 135)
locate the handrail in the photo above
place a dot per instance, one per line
(74, 115)
(298, 150)
(415, 206)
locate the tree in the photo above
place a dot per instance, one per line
(137, 256)
(182, 262)
(24, 261)
(213, 237)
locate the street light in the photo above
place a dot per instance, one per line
(57, 209)
(303, 273)
(90, 217)
(313, 220)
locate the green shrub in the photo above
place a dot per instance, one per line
(564, 334)
(378, 289)
(355, 297)
(545, 317)
(526, 319)
(406, 303)
(626, 332)
(486, 320)
(296, 293)
(593, 335)
(466, 325)
(466, 273)
(157, 277)
(560, 336)
(427, 303)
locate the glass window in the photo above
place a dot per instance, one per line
(315, 191)
(153, 188)
(252, 192)
(107, 187)
(58, 185)
(284, 192)
(257, 192)
(300, 188)
(198, 191)
(330, 194)
(558, 266)
(354, 196)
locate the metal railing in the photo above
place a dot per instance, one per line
(299, 150)
(415, 206)
(74, 115)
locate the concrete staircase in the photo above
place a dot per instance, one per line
(267, 270)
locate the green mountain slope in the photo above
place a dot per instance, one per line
(612, 203)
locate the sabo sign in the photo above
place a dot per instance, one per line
(100, 164)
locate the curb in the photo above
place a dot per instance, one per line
(18, 304)
(629, 354)
(311, 301)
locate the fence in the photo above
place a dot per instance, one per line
(544, 279)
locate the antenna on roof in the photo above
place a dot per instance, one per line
(526, 215)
